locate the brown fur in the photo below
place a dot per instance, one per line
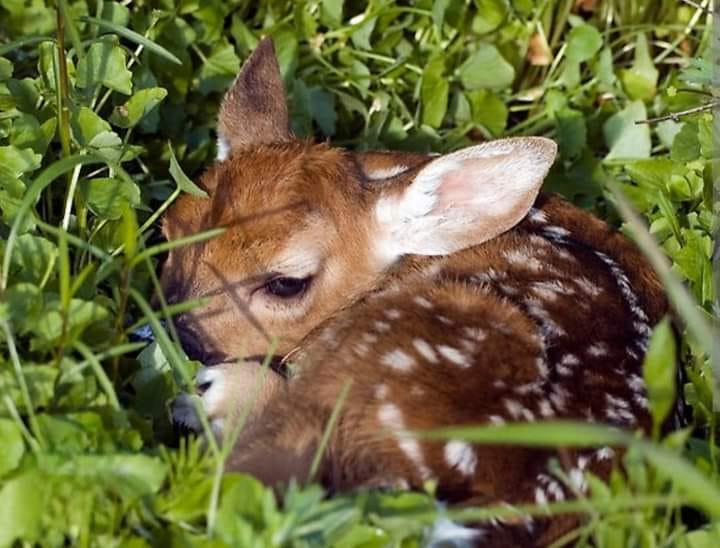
(546, 320)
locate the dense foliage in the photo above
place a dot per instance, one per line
(101, 103)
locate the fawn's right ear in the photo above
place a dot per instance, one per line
(254, 110)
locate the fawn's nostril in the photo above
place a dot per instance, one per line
(203, 387)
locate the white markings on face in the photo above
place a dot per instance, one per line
(425, 349)
(300, 258)
(422, 301)
(399, 360)
(597, 350)
(223, 149)
(393, 314)
(211, 378)
(390, 417)
(453, 355)
(461, 456)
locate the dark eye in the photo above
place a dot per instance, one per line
(286, 288)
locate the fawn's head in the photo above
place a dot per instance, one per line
(310, 227)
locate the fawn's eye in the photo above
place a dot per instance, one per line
(286, 288)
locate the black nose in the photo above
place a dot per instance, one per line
(195, 345)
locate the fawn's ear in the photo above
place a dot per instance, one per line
(464, 198)
(254, 110)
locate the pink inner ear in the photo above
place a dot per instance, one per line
(463, 184)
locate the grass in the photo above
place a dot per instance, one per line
(91, 93)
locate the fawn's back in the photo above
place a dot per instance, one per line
(445, 288)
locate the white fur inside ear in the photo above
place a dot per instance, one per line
(464, 198)
(223, 148)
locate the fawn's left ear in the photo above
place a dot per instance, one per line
(254, 110)
(464, 198)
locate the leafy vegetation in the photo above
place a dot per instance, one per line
(101, 103)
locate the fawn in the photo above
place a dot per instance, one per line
(446, 287)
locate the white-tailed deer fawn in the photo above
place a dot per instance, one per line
(445, 287)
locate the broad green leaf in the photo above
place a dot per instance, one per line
(86, 125)
(624, 137)
(331, 12)
(6, 69)
(219, 69)
(686, 145)
(141, 103)
(16, 161)
(32, 258)
(80, 316)
(13, 447)
(115, 13)
(490, 15)
(183, 181)
(434, 92)
(27, 132)
(571, 132)
(23, 500)
(583, 42)
(323, 110)
(105, 64)
(106, 197)
(488, 111)
(486, 68)
(660, 373)
(640, 80)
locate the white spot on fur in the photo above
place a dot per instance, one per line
(422, 301)
(382, 326)
(570, 359)
(604, 453)
(453, 355)
(390, 417)
(537, 215)
(518, 257)
(393, 314)
(461, 456)
(587, 286)
(399, 360)
(425, 350)
(445, 320)
(381, 391)
(370, 338)
(540, 496)
(556, 233)
(546, 409)
(496, 419)
(597, 350)
(475, 333)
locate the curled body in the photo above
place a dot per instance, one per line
(446, 289)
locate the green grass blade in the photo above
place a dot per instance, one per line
(51, 173)
(133, 37)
